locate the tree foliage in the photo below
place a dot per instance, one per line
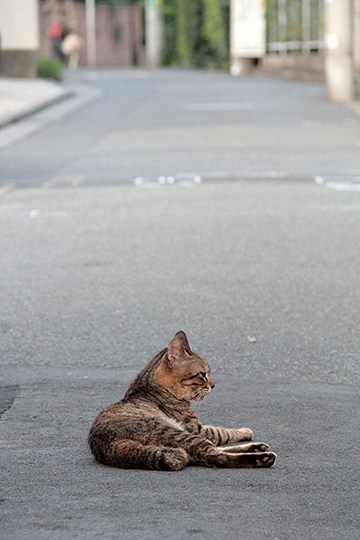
(196, 32)
(213, 30)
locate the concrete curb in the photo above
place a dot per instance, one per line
(33, 118)
(11, 118)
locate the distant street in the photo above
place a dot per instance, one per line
(226, 207)
(172, 122)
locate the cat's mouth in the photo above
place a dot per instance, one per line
(200, 397)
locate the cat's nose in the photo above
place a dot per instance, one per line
(212, 384)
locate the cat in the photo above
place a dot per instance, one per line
(154, 426)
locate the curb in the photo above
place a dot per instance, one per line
(29, 111)
(34, 118)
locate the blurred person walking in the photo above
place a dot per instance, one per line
(71, 47)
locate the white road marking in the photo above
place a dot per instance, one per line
(344, 182)
(220, 106)
(190, 179)
(180, 179)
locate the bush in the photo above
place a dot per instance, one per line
(49, 68)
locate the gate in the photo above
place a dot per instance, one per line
(295, 26)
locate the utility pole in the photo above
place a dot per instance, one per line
(90, 31)
(154, 33)
(339, 62)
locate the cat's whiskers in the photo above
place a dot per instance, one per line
(201, 395)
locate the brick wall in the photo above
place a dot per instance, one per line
(118, 34)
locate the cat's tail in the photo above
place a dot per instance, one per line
(128, 454)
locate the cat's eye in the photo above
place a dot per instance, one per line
(200, 375)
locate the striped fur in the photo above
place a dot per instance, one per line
(155, 427)
(220, 436)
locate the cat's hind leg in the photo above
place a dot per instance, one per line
(203, 452)
(245, 448)
(129, 454)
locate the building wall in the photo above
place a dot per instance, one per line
(118, 34)
(19, 35)
(295, 66)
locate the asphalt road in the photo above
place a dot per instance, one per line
(229, 208)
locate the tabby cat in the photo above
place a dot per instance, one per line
(154, 426)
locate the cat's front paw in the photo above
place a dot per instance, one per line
(245, 434)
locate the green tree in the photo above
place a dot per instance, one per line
(196, 32)
(213, 31)
(183, 43)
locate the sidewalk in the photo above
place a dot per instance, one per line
(29, 105)
(23, 97)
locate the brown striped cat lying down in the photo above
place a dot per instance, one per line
(154, 426)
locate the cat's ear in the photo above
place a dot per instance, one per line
(184, 340)
(175, 351)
